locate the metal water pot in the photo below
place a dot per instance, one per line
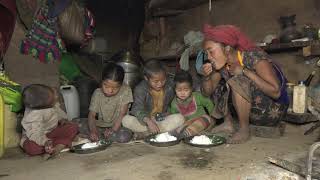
(132, 66)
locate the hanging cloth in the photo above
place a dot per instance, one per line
(42, 40)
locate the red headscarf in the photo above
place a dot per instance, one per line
(229, 35)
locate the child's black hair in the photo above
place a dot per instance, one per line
(113, 72)
(37, 96)
(183, 76)
(152, 67)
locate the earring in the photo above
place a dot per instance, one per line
(228, 48)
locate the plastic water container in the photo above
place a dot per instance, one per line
(8, 122)
(71, 100)
(299, 98)
(1, 126)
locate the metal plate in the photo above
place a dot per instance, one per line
(160, 144)
(79, 150)
(216, 140)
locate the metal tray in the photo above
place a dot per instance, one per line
(217, 140)
(161, 144)
(79, 150)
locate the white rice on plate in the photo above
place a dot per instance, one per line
(201, 140)
(164, 137)
(91, 145)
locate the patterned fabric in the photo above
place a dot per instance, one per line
(187, 108)
(157, 99)
(108, 108)
(43, 41)
(89, 24)
(264, 110)
(194, 112)
(194, 107)
(195, 126)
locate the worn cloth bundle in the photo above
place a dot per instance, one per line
(43, 40)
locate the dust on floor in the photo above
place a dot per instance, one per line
(139, 161)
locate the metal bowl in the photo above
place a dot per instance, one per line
(216, 140)
(78, 148)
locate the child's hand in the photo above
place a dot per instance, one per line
(48, 147)
(108, 132)
(152, 126)
(94, 136)
(63, 122)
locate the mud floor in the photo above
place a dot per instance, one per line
(139, 161)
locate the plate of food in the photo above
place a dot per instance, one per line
(162, 140)
(205, 141)
(91, 147)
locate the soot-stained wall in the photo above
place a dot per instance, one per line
(256, 18)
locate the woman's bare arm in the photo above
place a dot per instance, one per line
(210, 83)
(265, 78)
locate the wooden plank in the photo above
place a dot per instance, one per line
(281, 46)
(297, 169)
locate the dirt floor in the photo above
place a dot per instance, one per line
(137, 161)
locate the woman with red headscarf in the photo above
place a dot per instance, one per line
(240, 70)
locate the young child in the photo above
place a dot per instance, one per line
(152, 97)
(45, 128)
(109, 103)
(191, 105)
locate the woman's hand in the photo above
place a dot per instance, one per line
(207, 69)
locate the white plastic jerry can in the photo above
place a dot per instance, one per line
(71, 100)
(299, 98)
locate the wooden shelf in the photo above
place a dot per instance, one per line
(276, 47)
(288, 46)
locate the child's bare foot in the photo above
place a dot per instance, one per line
(56, 150)
(46, 157)
(239, 137)
(225, 127)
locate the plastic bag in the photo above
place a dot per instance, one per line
(71, 23)
(193, 41)
(10, 92)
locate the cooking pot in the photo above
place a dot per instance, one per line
(289, 34)
(289, 31)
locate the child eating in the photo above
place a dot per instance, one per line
(45, 126)
(191, 105)
(152, 98)
(109, 103)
